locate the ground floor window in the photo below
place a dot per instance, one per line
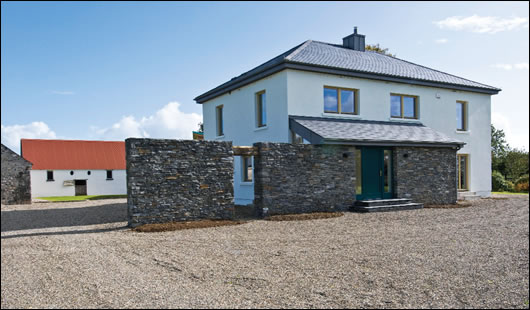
(246, 163)
(49, 175)
(463, 168)
(358, 172)
(109, 174)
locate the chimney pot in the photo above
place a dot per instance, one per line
(354, 41)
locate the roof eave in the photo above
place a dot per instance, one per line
(286, 64)
(393, 143)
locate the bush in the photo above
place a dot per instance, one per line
(521, 185)
(498, 183)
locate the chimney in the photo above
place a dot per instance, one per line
(354, 41)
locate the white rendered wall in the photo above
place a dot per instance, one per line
(97, 183)
(305, 98)
(239, 118)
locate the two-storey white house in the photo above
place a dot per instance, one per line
(326, 93)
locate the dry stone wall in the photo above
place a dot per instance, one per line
(178, 180)
(16, 186)
(300, 178)
(426, 175)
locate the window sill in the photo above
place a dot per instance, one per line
(403, 120)
(50, 180)
(110, 179)
(246, 183)
(261, 128)
(336, 115)
(463, 131)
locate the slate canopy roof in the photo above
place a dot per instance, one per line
(318, 130)
(324, 57)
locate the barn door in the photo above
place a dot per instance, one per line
(80, 188)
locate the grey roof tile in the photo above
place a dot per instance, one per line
(334, 130)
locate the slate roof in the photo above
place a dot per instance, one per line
(73, 154)
(311, 55)
(338, 131)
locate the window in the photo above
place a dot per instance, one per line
(358, 172)
(88, 172)
(109, 174)
(261, 109)
(403, 106)
(461, 116)
(340, 100)
(49, 175)
(247, 168)
(71, 173)
(296, 139)
(219, 118)
(463, 168)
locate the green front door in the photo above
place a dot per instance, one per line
(376, 173)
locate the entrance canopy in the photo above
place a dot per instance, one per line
(318, 130)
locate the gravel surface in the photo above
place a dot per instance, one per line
(82, 255)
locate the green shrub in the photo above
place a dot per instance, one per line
(521, 185)
(498, 183)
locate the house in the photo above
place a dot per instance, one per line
(16, 186)
(75, 167)
(390, 110)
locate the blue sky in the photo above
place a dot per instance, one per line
(111, 70)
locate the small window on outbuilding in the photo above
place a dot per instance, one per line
(71, 172)
(49, 175)
(109, 174)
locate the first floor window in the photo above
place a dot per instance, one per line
(247, 168)
(49, 175)
(109, 174)
(340, 100)
(403, 106)
(219, 118)
(461, 115)
(261, 109)
(463, 171)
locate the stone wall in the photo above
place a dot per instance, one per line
(426, 175)
(16, 186)
(177, 180)
(299, 178)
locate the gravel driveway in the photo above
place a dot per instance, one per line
(81, 255)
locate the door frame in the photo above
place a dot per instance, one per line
(381, 178)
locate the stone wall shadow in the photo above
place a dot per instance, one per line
(64, 217)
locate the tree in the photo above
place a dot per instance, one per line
(376, 48)
(499, 149)
(516, 164)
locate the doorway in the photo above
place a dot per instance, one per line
(376, 173)
(80, 188)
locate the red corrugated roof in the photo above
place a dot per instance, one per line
(73, 154)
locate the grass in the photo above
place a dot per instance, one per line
(81, 198)
(510, 193)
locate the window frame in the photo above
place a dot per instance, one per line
(48, 179)
(260, 109)
(464, 115)
(402, 115)
(244, 167)
(339, 103)
(466, 176)
(219, 122)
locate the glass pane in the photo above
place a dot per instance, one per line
(220, 121)
(459, 116)
(263, 110)
(331, 100)
(387, 171)
(347, 101)
(408, 106)
(463, 172)
(395, 106)
(358, 172)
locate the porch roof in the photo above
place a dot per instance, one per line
(319, 130)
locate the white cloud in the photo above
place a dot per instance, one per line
(441, 41)
(482, 24)
(519, 66)
(168, 122)
(514, 138)
(63, 92)
(11, 135)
